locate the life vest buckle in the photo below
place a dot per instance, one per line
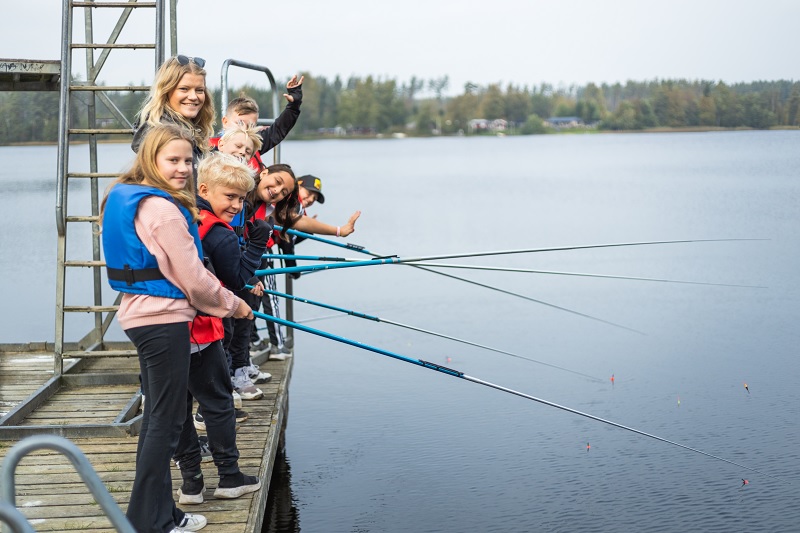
(128, 273)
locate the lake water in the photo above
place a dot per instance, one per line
(377, 445)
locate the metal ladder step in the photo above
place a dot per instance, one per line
(114, 46)
(100, 131)
(109, 88)
(92, 175)
(93, 264)
(114, 4)
(91, 308)
(100, 353)
(89, 218)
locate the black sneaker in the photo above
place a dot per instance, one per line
(241, 416)
(191, 491)
(235, 485)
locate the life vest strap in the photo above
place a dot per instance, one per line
(130, 276)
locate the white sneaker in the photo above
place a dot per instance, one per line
(243, 385)
(191, 522)
(237, 400)
(256, 376)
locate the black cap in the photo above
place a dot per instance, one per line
(313, 184)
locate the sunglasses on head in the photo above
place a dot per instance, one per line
(184, 60)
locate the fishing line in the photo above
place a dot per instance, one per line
(426, 331)
(416, 262)
(395, 259)
(390, 260)
(459, 374)
(583, 274)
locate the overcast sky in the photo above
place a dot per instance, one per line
(521, 42)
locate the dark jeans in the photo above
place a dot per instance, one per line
(210, 384)
(237, 334)
(164, 365)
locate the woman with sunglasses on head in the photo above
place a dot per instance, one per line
(179, 96)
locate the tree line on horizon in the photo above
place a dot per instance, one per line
(370, 106)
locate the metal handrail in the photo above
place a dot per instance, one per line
(78, 460)
(10, 515)
(63, 118)
(276, 152)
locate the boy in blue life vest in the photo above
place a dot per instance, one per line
(223, 182)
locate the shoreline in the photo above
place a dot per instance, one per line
(566, 131)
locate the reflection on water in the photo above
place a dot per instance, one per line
(281, 514)
(377, 445)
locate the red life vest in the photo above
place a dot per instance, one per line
(207, 329)
(261, 214)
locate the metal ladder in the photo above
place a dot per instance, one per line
(86, 95)
(92, 344)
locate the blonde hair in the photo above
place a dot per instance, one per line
(167, 79)
(243, 105)
(250, 132)
(223, 170)
(145, 169)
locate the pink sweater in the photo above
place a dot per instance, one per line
(163, 230)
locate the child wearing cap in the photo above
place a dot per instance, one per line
(309, 191)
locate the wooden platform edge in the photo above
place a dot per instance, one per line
(258, 506)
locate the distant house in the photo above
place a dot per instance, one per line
(478, 125)
(564, 122)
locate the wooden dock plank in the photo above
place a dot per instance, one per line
(51, 494)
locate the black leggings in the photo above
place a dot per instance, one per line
(164, 365)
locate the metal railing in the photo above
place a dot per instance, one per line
(82, 466)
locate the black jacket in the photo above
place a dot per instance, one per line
(284, 123)
(234, 265)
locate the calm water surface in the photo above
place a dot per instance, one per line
(377, 445)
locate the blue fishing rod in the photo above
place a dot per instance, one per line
(461, 375)
(342, 262)
(373, 318)
(414, 262)
(362, 249)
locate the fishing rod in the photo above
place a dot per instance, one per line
(397, 259)
(363, 250)
(508, 269)
(462, 375)
(365, 316)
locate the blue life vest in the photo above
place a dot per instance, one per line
(130, 265)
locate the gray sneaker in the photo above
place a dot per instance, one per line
(279, 353)
(243, 385)
(259, 348)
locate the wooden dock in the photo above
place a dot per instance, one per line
(50, 493)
